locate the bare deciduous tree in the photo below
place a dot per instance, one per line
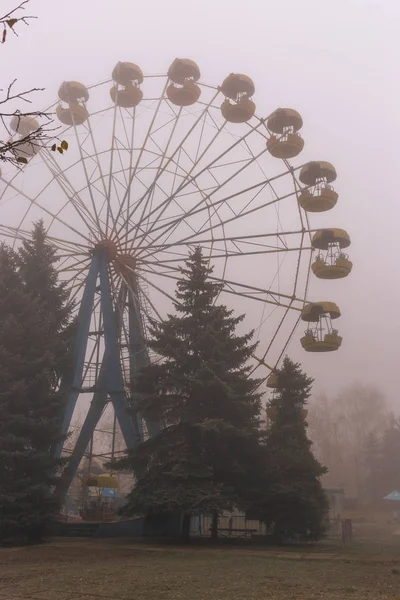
(10, 20)
(25, 136)
(339, 428)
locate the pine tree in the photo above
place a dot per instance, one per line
(37, 267)
(291, 500)
(29, 409)
(205, 400)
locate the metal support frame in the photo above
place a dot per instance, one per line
(139, 356)
(110, 382)
(81, 341)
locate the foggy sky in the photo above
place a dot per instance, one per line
(336, 62)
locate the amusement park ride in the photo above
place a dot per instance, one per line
(156, 166)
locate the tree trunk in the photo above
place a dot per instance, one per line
(186, 528)
(214, 525)
(34, 535)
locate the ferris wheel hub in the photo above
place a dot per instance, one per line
(124, 262)
(107, 247)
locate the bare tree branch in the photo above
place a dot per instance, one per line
(20, 95)
(9, 20)
(23, 143)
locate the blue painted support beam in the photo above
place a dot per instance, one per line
(81, 340)
(113, 372)
(138, 350)
(92, 418)
(119, 312)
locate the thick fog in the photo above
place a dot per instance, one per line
(335, 62)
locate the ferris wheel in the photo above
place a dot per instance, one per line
(156, 166)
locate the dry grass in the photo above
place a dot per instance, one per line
(123, 570)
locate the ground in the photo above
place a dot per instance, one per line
(81, 569)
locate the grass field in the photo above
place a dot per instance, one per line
(124, 570)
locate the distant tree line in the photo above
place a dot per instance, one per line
(358, 438)
(382, 463)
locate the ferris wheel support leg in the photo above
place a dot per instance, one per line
(139, 356)
(81, 341)
(92, 418)
(114, 382)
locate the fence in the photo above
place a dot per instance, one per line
(229, 526)
(341, 529)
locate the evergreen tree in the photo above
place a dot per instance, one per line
(29, 409)
(201, 393)
(37, 267)
(291, 500)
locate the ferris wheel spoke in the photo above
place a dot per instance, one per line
(66, 246)
(122, 172)
(294, 328)
(160, 157)
(110, 173)
(299, 260)
(14, 233)
(142, 150)
(201, 192)
(71, 194)
(171, 197)
(148, 202)
(22, 235)
(308, 230)
(170, 159)
(246, 240)
(151, 304)
(156, 287)
(270, 184)
(129, 190)
(34, 201)
(174, 200)
(235, 287)
(297, 188)
(309, 271)
(94, 144)
(130, 139)
(140, 225)
(86, 174)
(190, 180)
(230, 254)
(250, 239)
(275, 335)
(165, 228)
(75, 286)
(76, 274)
(63, 260)
(201, 206)
(72, 265)
(252, 210)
